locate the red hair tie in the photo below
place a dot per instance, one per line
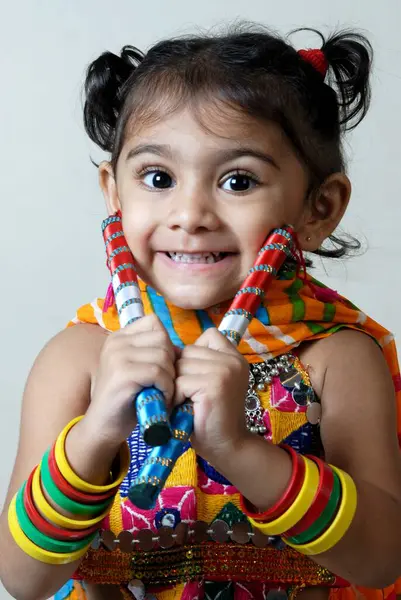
(317, 59)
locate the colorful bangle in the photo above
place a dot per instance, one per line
(290, 493)
(48, 528)
(321, 524)
(39, 538)
(61, 499)
(52, 515)
(320, 501)
(298, 508)
(71, 492)
(341, 523)
(72, 478)
(34, 551)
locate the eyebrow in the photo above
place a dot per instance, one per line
(165, 151)
(159, 149)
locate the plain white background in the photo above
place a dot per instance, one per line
(52, 257)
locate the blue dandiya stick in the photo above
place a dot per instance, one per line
(150, 405)
(157, 467)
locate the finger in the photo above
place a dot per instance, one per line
(202, 353)
(188, 386)
(213, 339)
(153, 339)
(152, 356)
(189, 366)
(197, 388)
(147, 323)
(152, 375)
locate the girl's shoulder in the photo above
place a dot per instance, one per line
(349, 352)
(80, 345)
(63, 371)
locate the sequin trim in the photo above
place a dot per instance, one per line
(265, 268)
(158, 460)
(124, 267)
(180, 434)
(114, 236)
(109, 220)
(232, 334)
(250, 290)
(128, 303)
(281, 247)
(118, 251)
(204, 561)
(152, 397)
(125, 285)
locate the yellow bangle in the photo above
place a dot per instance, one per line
(341, 522)
(51, 558)
(73, 479)
(298, 509)
(52, 515)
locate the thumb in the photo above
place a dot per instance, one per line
(213, 339)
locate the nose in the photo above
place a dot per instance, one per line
(193, 210)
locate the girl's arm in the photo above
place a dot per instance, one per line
(58, 389)
(83, 371)
(359, 435)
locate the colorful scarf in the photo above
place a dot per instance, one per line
(295, 310)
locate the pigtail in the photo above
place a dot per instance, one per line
(349, 56)
(105, 91)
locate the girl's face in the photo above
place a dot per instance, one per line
(197, 205)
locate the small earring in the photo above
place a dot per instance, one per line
(308, 238)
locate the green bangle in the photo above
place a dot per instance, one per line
(40, 539)
(63, 501)
(325, 518)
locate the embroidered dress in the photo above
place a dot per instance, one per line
(196, 543)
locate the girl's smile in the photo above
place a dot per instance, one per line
(197, 202)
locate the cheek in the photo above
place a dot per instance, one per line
(252, 232)
(273, 209)
(138, 228)
(138, 213)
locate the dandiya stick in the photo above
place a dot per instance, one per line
(150, 405)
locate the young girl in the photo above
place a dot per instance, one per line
(292, 481)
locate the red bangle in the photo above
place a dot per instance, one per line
(323, 493)
(48, 528)
(290, 493)
(68, 490)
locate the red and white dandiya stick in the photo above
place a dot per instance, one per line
(150, 405)
(277, 247)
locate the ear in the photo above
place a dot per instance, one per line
(108, 185)
(325, 211)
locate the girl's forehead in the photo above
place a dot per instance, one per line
(210, 125)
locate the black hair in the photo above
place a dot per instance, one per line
(248, 68)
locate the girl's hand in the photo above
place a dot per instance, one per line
(214, 375)
(138, 356)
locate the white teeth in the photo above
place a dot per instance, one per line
(201, 257)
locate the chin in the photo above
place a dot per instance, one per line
(194, 299)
